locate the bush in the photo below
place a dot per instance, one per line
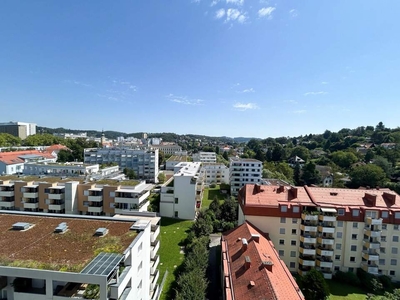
(347, 277)
(367, 280)
(386, 282)
(213, 185)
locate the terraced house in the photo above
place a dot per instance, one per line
(327, 228)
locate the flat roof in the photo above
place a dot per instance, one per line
(40, 248)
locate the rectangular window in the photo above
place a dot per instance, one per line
(282, 230)
(384, 226)
(354, 236)
(284, 208)
(176, 200)
(382, 250)
(281, 253)
(293, 242)
(294, 221)
(339, 223)
(176, 214)
(337, 257)
(383, 238)
(292, 253)
(340, 212)
(112, 194)
(283, 220)
(140, 267)
(355, 212)
(338, 246)
(353, 248)
(294, 231)
(397, 215)
(292, 265)
(396, 227)
(351, 270)
(355, 225)
(394, 250)
(140, 247)
(382, 261)
(392, 273)
(395, 238)
(393, 262)
(281, 242)
(296, 209)
(352, 259)
(385, 214)
(339, 235)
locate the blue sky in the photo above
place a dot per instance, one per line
(228, 67)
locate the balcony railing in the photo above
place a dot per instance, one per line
(371, 244)
(309, 227)
(307, 251)
(309, 217)
(372, 256)
(309, 239)
(326, 218)
(326, 240)
(372, 268)
(373, 221)
(325, 252)
(307, 261)
(372, 232)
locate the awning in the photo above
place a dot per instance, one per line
(328, 210)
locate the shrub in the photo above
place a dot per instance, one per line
(213, 185)
(347, 277)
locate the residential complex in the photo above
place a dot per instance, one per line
(167, 148)
(243, 171)
(252, 269)
(18, 129)
(327, 228)
(216, 173)
(181, 195)
(68, 256)
(174, 160)
(14, 162)
(205, 157)
(55, 195)
(143, 162)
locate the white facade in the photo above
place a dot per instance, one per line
(216, 173)
(169, 149)
(68, 169)
(243, 171)
(182, 194)
(143, 162)
(205, 157)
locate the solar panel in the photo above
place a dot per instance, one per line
(103, 264)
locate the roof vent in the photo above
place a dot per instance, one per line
(101, 231)
(244, 244)
(268, 264)
(61, 228)
(247, 262)
(255, 237)
(20, 226)
(333, 193)
(252, 283)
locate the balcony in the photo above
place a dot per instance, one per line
(327, 275)
(95, 198)
(307, 261)
(155, 231)
(309, 227)
(373, 221)
(56, 206)
(133, 200)
(372, 268)
(95, 209)
(308, 239)
(56, 196)
(326, 240)
(30, 195)
(307, 251)
(326, 229)
(154, 248)
(325, 252)
(372, 256)
(324, 263)
(325, 218)
(154, 265)
(308, 217)
(372, 232)
(6, 193)
(153, 279)
(31, 205)
(371, 244)
(7, 204)
(302, 272)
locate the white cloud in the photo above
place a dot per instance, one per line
(220, 13)
(242, 19)
(300, 111)
(236, 2)
(245, 106)
(184, 100)
(315, 93)
(324, 82)
(293, 13)
(250, 90)
(266, 12)
(133, 87)
(78, 83)
(214, 3)
(232, 14)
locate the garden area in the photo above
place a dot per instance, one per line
(342, 291)
(214, 191)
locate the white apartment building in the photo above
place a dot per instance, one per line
(216, 173)
(327, 228)
(243, 171)
(143, 162)
(205, 157)
(175, 160)
(167, 148)
(181, 195)
(62, 257)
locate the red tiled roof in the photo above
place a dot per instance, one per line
(256, 281)
(56, 148)
(10, 158)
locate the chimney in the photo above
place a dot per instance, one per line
(255, 237)
(389, 197)
(244, 244)
(293, 191)
(370, 199)
(281, 189)
(247, 262)
(268, 265)
(256, 189)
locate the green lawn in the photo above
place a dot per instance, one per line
(209, 194)
(341, 291)
(172, 234)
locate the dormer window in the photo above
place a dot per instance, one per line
(385, 214)
(356, 212)
(284, 208)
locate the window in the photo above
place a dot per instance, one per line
(337, 257)
(382, 250)
(355, 212)
(353, 248)
(354, 236)
(384, 226)
(393, 262)
(383, 238)
(284, 208)
(112, 194)
(294, 231)
(283, 220)
(352, 259)
(355, 225)
(282, 230)
(394, 250)
(339, 235)
(292, 265)
(176, 214)
(85, 203)
(296, 209)
(392, 273)
(140, 247)
(292, 253)
(293, 242)
(338, 246)
(340, 212)
(395, 238)
(140, 285)
(294, 221)
(351, 270)
(140, 267)
(337, 268)
(281, 253)
(176, 200)
(382, 261)
(397, 215)
(339, 223)
(385, 214)
(396, 227)
(281, 242)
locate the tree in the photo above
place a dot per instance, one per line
(8, 140)
(310, 174)
(161, 177)
(314, 286)
(129, 173)
(369, 156)
(225, 155)
(367, 175)
(384, 164)
(301, 152)
(296, 175)
(229, 210)
(215, 206)
(344, 159)
(278, 153)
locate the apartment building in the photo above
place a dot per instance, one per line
(167, 148)
(18, 129)
(63, 169)
(327, 228)
(174, 160)
(55, 195)
(66, 256)
(181, 195)
(143, 162)
(243, 171)
(216, 173)
(252, 268)
(205, 157)
(14, 162)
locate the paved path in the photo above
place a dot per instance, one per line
(213, 272)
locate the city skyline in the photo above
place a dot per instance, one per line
(216, 68)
